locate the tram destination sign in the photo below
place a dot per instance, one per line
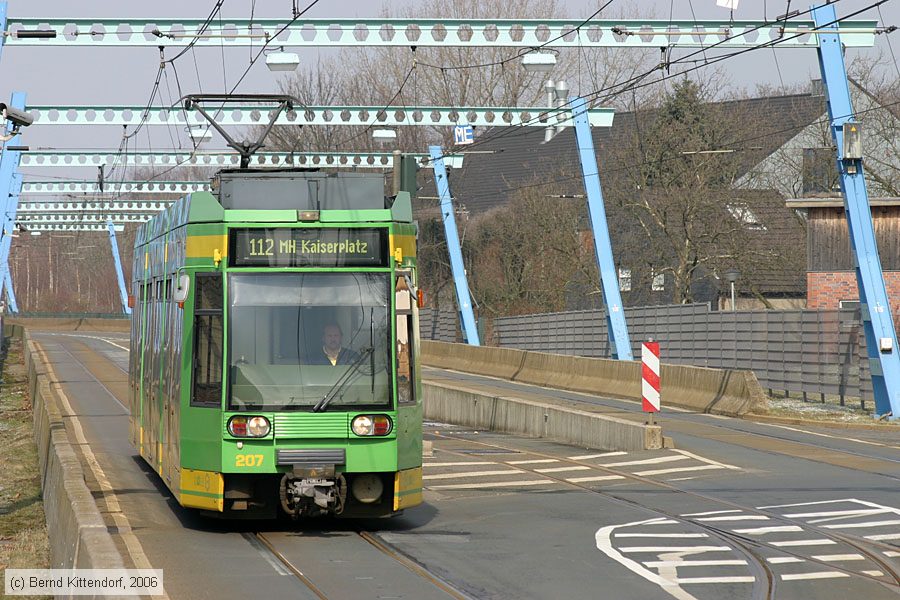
(308, 247)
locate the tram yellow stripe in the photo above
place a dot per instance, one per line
(407, 488)
(406, 243)
(204, 246)
(202, 489)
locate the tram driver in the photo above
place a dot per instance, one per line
(333, 352)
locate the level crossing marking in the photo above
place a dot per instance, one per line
(794, 543)
(815, 575)
(706, 460)
(646, 461)
(491, 484)
(692, 549)
(662, 535)
(562, 469)
(677, 470)
(839, 557)
(595, 478)
(458, 464)
(114, 509)
(474, 474)
(883, 537)
(864, 525)
(694, 563)
(734, 518)
(735, 579)
(767, 530)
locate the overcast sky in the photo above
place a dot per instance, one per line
(124, 75)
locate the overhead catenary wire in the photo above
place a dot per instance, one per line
(634, 82)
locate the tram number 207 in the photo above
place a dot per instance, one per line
(248, 460)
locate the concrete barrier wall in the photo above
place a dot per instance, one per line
(73, 324)
(719, 391)
(78, 536)
(472, 408)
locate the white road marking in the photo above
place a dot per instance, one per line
(830, 513)
(891, 553)
(815, 542)
(604, 544)
(706, 460)
(780, 560)
(682, 478)
(596, 478)
(835, 437)
(473, 474)
(711, 512)
(697, 580)
(653, 564)
(661, 535)
(678, 470)
(457, 464)
(646, 461)
(866, 524)
(815, 575)
(535, 461)
(873, 573)
(562, 469)
(883, 537)
(693, 549)
(490, 484)
(839, 557)
(765, 530)
(735, 518)
(590, 456)
(860, 513)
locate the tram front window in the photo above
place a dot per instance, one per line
(305, 341)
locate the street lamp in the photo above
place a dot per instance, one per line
(384, 137)
(732, 275)
(282, 61)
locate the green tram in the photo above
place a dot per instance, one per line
(274, 347)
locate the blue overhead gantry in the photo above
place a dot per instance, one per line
(10, 186)
(881, 335)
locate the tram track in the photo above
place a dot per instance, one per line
(279, 554)
(741, 543)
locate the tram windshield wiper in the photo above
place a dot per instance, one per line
(343, 381)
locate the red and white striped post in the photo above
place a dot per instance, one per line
(650, 377)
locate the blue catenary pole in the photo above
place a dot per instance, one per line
(881, 337)
(120, 277)
(617, 328)
(463, 300)
(6, 243)
(10, 185)
(3, 8)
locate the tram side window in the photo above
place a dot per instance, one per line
(208, 340)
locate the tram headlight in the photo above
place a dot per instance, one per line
(240, 426)
(369, 425)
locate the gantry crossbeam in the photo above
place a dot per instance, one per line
(96, 158)
(519, 33)
(115, 188)
(440, 116)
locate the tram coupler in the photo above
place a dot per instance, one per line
(312, 491)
